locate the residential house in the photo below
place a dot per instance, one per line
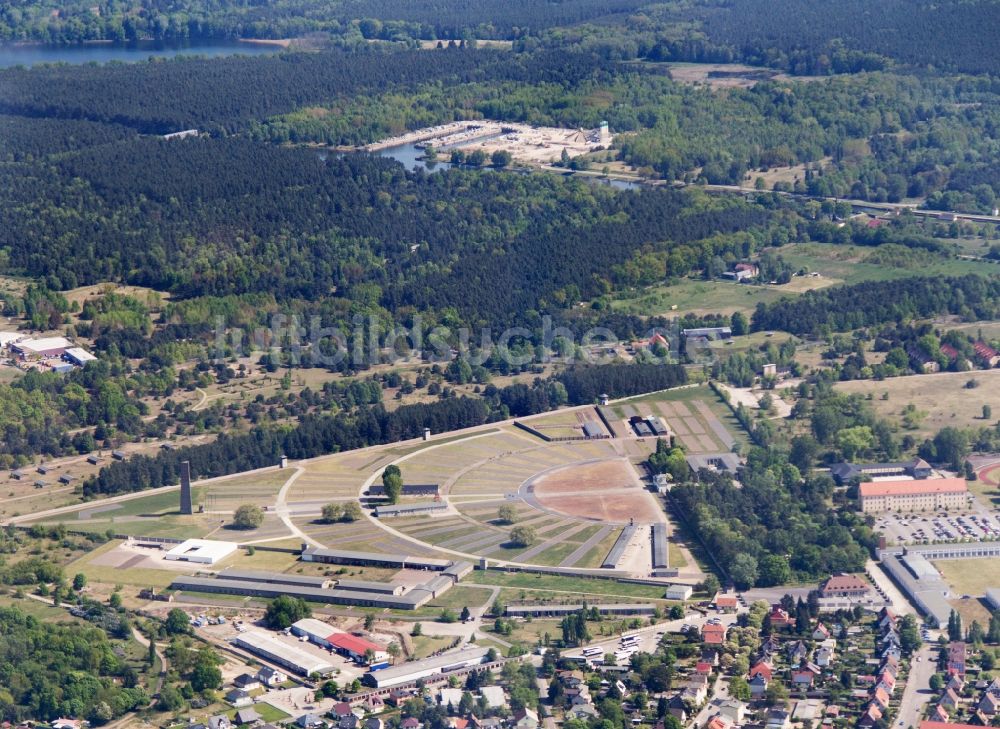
(726, 602)
(714, 633)
(939, 714)
(778, 719)
(677, 708)
(821, 632)
(797, 652)
(956, 683)
(989, 704)
(248, 716)
(449, 697)
(309, 721)
(351, 721)
(758, 686)
(780, 618)
(457, 722)
(718, 722)
(949, 699)
(703, 668)
(247, 682)
(411, 723)
(733, 710)
(710, 655)
(374, 704)
(525, 719)
(271, 677)
(887, 681)
(761, 668)
(986, 354)
(63, 723)
(374, 723)
(871, 717)
(239, 697)
(494, 696)
(957, 656)
(694, 693)
(582, 711)
(803, 678)
(881, 697)
(886, 617)
(220, 722)
(843, 585)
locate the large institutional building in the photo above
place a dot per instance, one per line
(923, 495)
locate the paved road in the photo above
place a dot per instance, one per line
(718, 694)
(917, 693)
(900, 605)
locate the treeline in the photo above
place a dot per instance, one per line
(222, 94)
(316, 435)
(77, 20)
(55, 669)
(843, 308)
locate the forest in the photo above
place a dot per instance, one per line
(843, 308)
(232, 216)
(129, 20)
(56, 669)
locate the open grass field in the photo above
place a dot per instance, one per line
(695, 414)
(970, 576)
(256, 488)
(690, 296)
(850, 265)
(944, 398)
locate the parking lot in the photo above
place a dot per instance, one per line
(976, 524)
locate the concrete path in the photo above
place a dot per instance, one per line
(539, 548)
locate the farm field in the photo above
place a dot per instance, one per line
(944, 398)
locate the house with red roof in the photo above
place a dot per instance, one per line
(780, 618)
(703, 668)
(986, 354)
(843, 585)
(761, 668)
(726, 602)
(714, 633)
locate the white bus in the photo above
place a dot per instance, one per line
(593, 651)
(632, 639)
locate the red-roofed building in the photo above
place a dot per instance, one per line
(780, 618)
(871, 716)
(357, 648)
(948, 351)
(986, 353)
(724, 601)
(844, 586)
(703, 668)
(958, 654)
(762, 669)
(714, 634)
(881, 697)
(920, 495)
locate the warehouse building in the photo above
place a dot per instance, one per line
(292, 657)
(40, 348)
(435, 666)
(678, 592)
(618, 548)
(844, 473)
(593, 429)
(458, 570)
(383, 511)
(558, 611)
(409, 489)
(384, 588)
(728, 462)
(316, 631)
(275, 578)
(200, 551)
(659, 537)
(78, 356)
(413, 599)
(932, 494)
(371, 559)
(921, 582)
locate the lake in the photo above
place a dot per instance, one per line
(31, 55)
